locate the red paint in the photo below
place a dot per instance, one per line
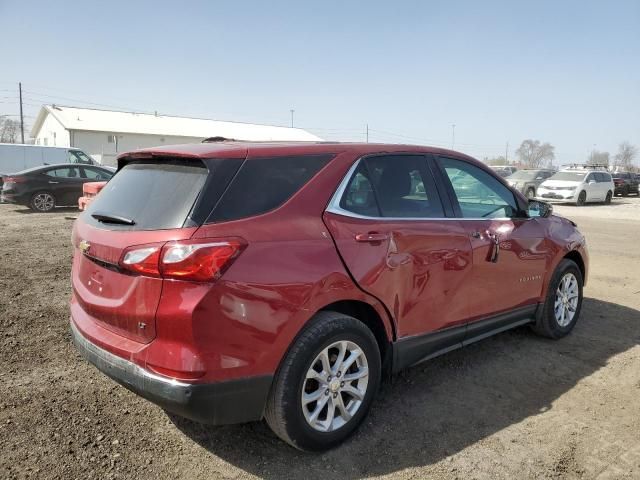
(419, 276)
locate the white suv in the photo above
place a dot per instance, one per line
(577, 186)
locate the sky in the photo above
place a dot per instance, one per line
(564, 72)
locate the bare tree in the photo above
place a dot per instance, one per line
(598, 158)
(9, 130)
(534, 154)
(626, 154)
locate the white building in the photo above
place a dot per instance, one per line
(104, 134)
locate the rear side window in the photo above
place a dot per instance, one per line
(155, 195)
(264, 184)
(66, 172)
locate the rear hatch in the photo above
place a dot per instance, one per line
(148, 201)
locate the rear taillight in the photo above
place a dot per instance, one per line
(185, 260)
(15, 179)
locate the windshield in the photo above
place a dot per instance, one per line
(524, 175)
(572, 176)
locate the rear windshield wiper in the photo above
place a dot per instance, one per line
(108, 218)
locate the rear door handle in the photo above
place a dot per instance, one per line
(53, 182)
(371, 237)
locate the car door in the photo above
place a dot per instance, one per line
(66, 184)
(509, 249)
(395, 238)
(593, 188)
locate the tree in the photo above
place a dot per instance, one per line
(533, 153)
(626, 154)
(9, 130)
(598, 158)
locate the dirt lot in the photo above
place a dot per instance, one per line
(514, 406)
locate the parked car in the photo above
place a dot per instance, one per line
(44, 188)
(527, 181)
(579, 186)
(232, 282)
(625, 183)
(504, 170)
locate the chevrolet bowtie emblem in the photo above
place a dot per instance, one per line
(84, 246)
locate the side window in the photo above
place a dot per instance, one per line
(479, 194)
(66, 172)
(95, 174)
(263, 184)
(397, 186)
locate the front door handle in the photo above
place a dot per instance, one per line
(495, 251)
(371, 237)
(53, 182)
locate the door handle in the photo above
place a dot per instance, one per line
(371, 237)
(53, 182)
(495, 251)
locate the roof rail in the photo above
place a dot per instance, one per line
(218, 139)
(585, 166)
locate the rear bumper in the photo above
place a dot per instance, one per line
(233, 401)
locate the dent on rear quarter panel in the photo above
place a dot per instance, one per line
(244, 324)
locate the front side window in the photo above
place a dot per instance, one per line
(398, 186)
(95, 174)
(479, 194)
(66, 172)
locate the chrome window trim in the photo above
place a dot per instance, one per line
(334, 206)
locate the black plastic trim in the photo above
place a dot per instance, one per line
(410, 351)
(232, 401)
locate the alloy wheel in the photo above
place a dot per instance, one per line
(43, 202)
(335, 386)
(566, 302)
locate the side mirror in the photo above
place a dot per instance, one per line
(591, 182)
(539, 209)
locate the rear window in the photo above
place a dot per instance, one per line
(264, 184)
(155, 195)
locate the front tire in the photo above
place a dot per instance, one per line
(325, 384)
(561, 309)
(42, 202)
(582, 199)
(607, 200)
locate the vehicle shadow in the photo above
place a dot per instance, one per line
(28, 211)
(437, 409)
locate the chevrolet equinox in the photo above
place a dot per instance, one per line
(229, 282)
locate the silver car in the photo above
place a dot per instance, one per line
(527, 181)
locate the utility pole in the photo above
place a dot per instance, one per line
(292, 110)
(506, 154)
(367, 133)
(21, 116)
(453, 135)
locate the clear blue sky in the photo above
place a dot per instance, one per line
(566, 72)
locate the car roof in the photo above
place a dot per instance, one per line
(55, 165)
(236, 149)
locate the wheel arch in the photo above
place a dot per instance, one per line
(368, 315)
(576, 257)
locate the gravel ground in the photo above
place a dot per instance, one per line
(513, 406)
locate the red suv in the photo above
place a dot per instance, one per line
(231, 282)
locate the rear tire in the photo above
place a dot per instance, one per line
(582, 199)
(313, 407)
(561, 308)
(42, 202)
